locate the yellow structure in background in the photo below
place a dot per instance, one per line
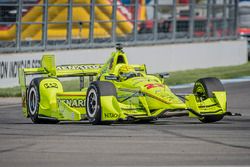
(80, 21)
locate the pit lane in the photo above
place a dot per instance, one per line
(171, 141)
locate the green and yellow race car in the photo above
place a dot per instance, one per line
(120, 92)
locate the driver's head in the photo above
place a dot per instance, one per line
(126, 71)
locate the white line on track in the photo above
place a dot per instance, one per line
(224, 81)
(9, 105)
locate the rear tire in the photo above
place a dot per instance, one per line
(93, 102)
(211, 118)
(33, 101)
(203, 89)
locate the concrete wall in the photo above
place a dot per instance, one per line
(160, 58)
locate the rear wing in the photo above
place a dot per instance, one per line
(49, 69)
(78, 70)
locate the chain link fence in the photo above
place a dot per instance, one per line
(32, 25)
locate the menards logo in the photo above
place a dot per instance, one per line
(75, 103)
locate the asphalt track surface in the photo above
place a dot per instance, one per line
(172, 141)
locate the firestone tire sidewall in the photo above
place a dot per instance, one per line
(93, 102)
(33, 100)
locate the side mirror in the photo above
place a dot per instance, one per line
(164, 75)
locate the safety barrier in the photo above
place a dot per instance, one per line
(55, 24)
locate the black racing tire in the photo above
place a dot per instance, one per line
(93, 102)
(33, 101)
(211, 118)
(203, 89)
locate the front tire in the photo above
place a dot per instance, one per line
(93, 101)
(204, 89)
(93, 106)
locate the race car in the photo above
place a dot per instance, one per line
(120, 92)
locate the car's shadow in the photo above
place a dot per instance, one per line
(162, 121)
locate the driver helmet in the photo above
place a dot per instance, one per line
(126, 71)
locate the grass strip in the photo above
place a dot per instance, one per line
(189, 76)
(176, 78)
